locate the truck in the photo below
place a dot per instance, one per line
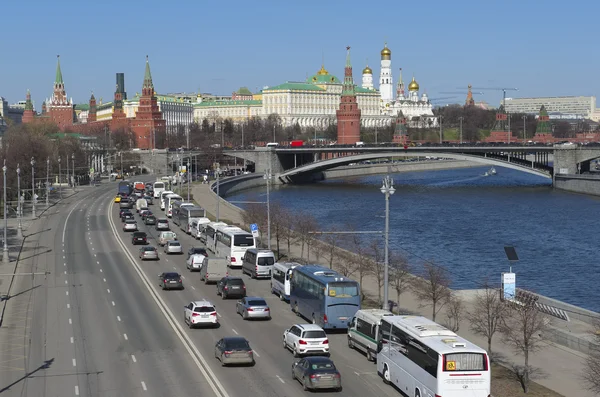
(140, 186)
(125, 188)
(296, 143)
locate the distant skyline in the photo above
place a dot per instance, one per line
(543, 49)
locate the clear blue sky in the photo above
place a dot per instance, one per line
(541, 47)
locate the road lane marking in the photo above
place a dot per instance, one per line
(108, 290)
(67, 293)
(68, 305)
(255, 353)
(183, 277)
(64, 257)
(66, 221)
(125, 336)
(72, 340)
(70, 321)
(144, 386)
(74, 362)
(76, 390)
(97, 262)
(133, 358)
(279, 377)
(100, 270)
(113, 303)
(193, 287)
(65, 272)
(234, 331)
(66, 282)
(219, 314)
(94, 255)
(65, 264)
(104, 279)
(118, 318)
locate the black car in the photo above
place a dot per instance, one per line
(170, 280)
(231, 287)
(124, 211)
(150, 220)
(139, 238)
(126, 217)
(196, 251)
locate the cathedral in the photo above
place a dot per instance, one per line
(417, 110)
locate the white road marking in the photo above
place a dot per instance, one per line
(97, 262)
(113, 303)
(74, 362)
(279, 377)
(108, 290)
(92, 248)
(65, 263)
(67, 293)
(255, 353)
(64, 257)
(125, 336)
(65, 272)
(68, 305)
(66, 221)
(133, 358)
(174, 267)
(144, 386)
(219, 314)
(72, 340)
(193, 287)
(94, 255)
(70, 321)
(100, 270)
(357, 374)
(104, 279)
(66, 282)
(234, 331)
(118, 318)
(183, 277)
(76, 390)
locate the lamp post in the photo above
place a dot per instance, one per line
(5, 257)
(441, 130)
(387, 189)
(524, 128)
(19, 203)
(218, 197)
(461, 122)
(33, 200)
(188, 178)
(268, 179)
(68, 180)
(73, 168)
(47, 180)
(59, 179)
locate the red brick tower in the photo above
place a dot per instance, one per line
(149, 123)
(348, 115)
(59, 108)
(470, 101)
(92, 113)
(29, 113)
(400, 130)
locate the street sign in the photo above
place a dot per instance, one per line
(254, 229)
(91, 170)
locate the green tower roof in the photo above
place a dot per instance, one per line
(543, 126)
(58, 79)
(28, 103)
(348, 87)
(148, 76)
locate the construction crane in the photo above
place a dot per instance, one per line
(441, 98)
(462, 93)
(498, 89)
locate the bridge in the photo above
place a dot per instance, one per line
(306, 164)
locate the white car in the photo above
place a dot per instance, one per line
(304, 339)
(166, 236)
(173, 247)
(200, 313)
(130, 226)
(194, 262)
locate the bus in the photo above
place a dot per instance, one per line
(163, 197)
(175, 208)
(280, 279)
(323, 296)
(169, 200)
(210, 235)
(423, 358)
(158, 187)
(232, 243)
(125, 187)
(187, 215)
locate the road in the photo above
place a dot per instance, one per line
(272, 374)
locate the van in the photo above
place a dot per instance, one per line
(141, 203)
(272, 144)
(166, 236)
(258, 263)
(363, 331)
(213, 269)
(198, 226)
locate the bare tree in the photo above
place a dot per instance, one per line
(522, 328)
(487, 314)
(591, 372)
(400, 274)
(360, 259)
(330, 246)
(305, 223)
(378, 266)
(433, 289)
(345, 265)
(288, 223)
(278, 214)
(454, 312)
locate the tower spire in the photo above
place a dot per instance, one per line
(348, 87)
(28, 103)
(59, 79)
(148, 76)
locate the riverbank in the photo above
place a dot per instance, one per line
(561, 365)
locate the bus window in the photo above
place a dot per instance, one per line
(343, 290)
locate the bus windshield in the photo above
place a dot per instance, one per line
(196, 213)
(243, 240)
(343, 289)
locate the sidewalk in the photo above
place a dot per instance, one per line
(560, 366)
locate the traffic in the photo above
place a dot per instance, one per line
(200, 258)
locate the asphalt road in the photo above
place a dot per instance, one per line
(272, 374)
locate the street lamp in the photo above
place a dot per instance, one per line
(218, 197)
(188, 178)
(268, 179)
(524, 128)
(47, 180)
(59, 180)
(19, 203)
(5, 257)
(388, 189)
(461, 129)
(33, 200)
(73, 167)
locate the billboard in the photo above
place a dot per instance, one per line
(508, 286)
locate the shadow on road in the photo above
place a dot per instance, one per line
(46, 365)
(23, 292)
(38, 254)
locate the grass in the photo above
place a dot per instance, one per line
(505, 384)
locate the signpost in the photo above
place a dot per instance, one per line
(254, 230)
(509, 284)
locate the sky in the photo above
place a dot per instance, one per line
(543, 48)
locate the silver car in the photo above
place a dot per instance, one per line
(253, 307)
(148, 253)
(173, 247)
(130, 226)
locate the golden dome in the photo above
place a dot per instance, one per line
(367, 70)
(323, 71)
(413, 86)
(386, 53)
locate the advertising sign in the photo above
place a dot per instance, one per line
(508, 286)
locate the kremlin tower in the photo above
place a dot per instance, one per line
(367, 78)
(348, 115)
(59, 108)
(149, 126)
(29, 113)
(92, 113)
(386, 85)
(469, 101)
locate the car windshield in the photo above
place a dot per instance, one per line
(266, 261)
(314, 334)
(151, 218)
(200, 251)
(204, 309)
(172, 276)
(243, 240)
(323, 366)
(239, 344)
(130, 221)
(174, 243)
(236, 282)
(257, 302)
(149, 249)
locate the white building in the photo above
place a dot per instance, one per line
(175, 111)
(579, 105)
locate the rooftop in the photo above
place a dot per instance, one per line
(251, 102)
(294, 86)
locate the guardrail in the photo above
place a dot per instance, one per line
(528, 298)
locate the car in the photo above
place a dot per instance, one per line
(194, 262)
(145, 213)
(149, 199)
(166, 236)
(124, 211)
(126, 216)
(195, 251)
(231, 286)
(148, 252)
(253, 307)
(306, 339)
(200, 312)
(234, 350)
(150, 220)
(125, 204)
(117, 199)
(130, 225)
(317, 373)
(173, 247)
(162, 224)
(142, 209)
(139, 238)
(170, 280)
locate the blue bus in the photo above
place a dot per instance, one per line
(323, 296)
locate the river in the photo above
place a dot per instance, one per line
(462, 220)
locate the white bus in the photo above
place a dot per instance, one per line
(232, 243)
(210, 233)
(163, 197)
(422, 358)
(159, 187)
(169, 200)
(176, 208)
(280, 279)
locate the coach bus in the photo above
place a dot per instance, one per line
(281, 279)
(423, 358)
(188, 214)
(232, 243)
(323, 296)
(176, 208)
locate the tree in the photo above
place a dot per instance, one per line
(591, 372)
(305, 223)
(330, 246)
(378, 266)
(522, 328)
(454, 312)
(562, 130)
(487, 314)
(123, 139)
(360, 259)
(399, 275)
(433, 289)
(278, 215)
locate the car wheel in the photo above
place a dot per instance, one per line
(285, 346)
(370, 355)
(296, 354)
(304, 385)
(339, 389)
(350, 343)
(222, 362)
(293, 374)
(245, 315)
(386, 375)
